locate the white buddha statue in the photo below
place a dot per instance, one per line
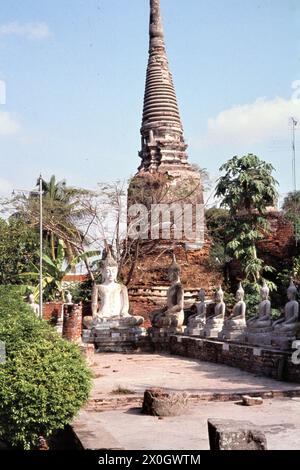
(215, 322)
(235, 324)
(197, 321)
(264, 317)
(33, 305)
(289, 325)
(113, 297)
(173, 314)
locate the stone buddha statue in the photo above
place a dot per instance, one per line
(33, 305)
(264, 317)
(172, 316)
(113, 297)
(215, 322)
(197, 321)
(235, 324)
(289, 325)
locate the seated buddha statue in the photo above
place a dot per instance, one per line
(217, 319)
(110, 299)
(263, 319)
(237, 319)
(289, 325)
(172, 315)
(197, 321)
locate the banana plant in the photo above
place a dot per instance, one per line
(54, 271)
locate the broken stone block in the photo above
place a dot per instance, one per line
(158, 402)
(251, 401)
(235, 435)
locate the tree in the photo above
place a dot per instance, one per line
(64, 215)
(44, 380)
(18, 249)
(291, 209)
(247, 189)
(218, 224)
(55, 271)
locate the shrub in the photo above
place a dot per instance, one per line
(44, 380)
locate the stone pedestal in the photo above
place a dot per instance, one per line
(280, 341)
(72, 323)
(192, 331)
(211, 330)
(158, 335)
(110, 337)
(158, 402)
(258, 336)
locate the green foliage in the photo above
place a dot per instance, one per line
(82, 291)
(218, 223)
(64, 211)
(248, 184)
(247, 189)
(44, 381)
(54, 271)
(291, 209)
(18, 248)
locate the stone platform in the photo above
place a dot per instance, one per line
(120, 380)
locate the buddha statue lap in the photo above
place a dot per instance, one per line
(235, 324)
(196, 322)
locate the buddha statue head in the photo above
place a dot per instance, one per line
(219, 295)
(292, 291)
(109, 269)
(264, 291)
(201, 295)
(174, 270)
(240, 293)
(31, 300)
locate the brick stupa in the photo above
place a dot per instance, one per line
(164, 176)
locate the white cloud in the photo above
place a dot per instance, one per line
(8, 125)
(252, 123)
(29, 30)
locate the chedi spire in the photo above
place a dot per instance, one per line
(163, 142)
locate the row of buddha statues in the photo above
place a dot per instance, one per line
(210, 320)
(110, 311)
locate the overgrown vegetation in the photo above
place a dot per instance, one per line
(44, 380)
(246, 190)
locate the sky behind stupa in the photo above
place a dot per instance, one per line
(74, 73)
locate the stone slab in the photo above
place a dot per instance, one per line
(228, 434)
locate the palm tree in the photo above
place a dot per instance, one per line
(63, 214)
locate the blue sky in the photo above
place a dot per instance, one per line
(75, 70)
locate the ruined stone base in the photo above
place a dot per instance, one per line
(193, 331)
(158, 402)
(227, 434)
(259, 337)
(117, 339)
(158, 335)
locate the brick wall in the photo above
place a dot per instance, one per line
(52, 311)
